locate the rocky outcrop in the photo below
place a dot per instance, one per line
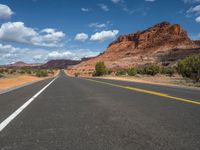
(153, 45)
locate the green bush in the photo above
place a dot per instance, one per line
(150, 69)
(11, 71)
(168, 71)
(22, 71)
(1, 70)
(41, 73)
(120, 72)
(109, 71)
(132, 71)
(190, 67)
(100, 69)
(76, 74)
(28, 71)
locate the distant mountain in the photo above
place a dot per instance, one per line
(21, 64)
(163, 44)
(59, 64)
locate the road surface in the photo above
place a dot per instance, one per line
(68, 113)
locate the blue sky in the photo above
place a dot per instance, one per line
(36, 31)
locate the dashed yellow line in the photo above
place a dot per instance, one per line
(148, 92)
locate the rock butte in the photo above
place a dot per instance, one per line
(163, 44)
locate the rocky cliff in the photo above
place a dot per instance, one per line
(163, 44)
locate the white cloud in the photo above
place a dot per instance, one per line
(191, 1)
(18, 32)
(103, 35)
(195, 9)
(85, 9)
(48, 37)
(97, 25)
(116, 1)
(81, 37)
(5, 11)
(71, 54)
(197, 19)
(104, 7)
(10, 54)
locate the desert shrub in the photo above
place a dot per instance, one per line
(109, 71)
(28, 71)
(41, 73)
(1, 75)
(1, 70)
(22, 71)
(190, 67)
(132, 71)
(100, 69)
(168, 71)
(121, 72)
(11, 71)
(51, 71)
(150, 69)
(76, 74)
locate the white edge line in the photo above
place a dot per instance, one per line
(20, 109)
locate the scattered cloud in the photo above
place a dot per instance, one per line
(104, 7)
(123, 5)
(191, 1)
(197, 19)
(81, 37)
(5, 12)
(85, 9)
(18, 32)
(103, 35)
(194, 11)
(116, 1)
(71, 54)
(10, 54)
(97, 25)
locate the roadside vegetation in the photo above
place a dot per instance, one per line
(34, 72)
(188, 68)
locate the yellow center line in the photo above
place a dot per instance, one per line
(148, 92)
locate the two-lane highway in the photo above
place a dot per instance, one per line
(84, 114)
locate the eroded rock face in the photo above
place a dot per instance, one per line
(148, 46)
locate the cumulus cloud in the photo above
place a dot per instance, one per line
(81, 37)
(104, 7)
(71, 54)
(5, 11)
(103, 35)
(18, 32)
(10, 54)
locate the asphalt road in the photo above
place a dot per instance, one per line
(81, 114)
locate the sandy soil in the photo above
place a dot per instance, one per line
(158, 79)
(6, 83)
(18, 80)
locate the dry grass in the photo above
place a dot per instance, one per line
(158, 79)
